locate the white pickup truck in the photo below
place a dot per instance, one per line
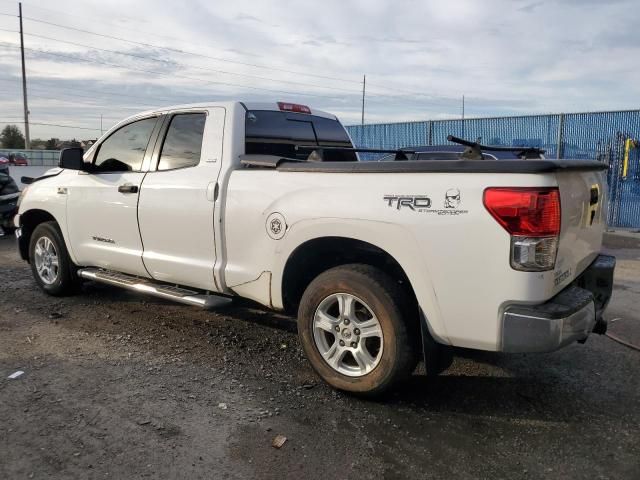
(383, 262)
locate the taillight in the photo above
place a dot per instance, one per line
(293, 107)
(532, 218)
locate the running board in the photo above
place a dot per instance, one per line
(143, 285)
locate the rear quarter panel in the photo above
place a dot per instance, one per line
(458, 263)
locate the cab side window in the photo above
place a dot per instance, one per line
(183, 142)
(124, 150)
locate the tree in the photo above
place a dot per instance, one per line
(52, 144)
(38, 144)
(11, 137)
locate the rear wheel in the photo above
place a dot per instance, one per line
(356, 330)
(50, 263)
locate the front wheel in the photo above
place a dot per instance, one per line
(50, 263)
(356, 329)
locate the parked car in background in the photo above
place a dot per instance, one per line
(18, 159)
(4, 161)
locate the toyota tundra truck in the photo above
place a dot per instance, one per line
(384, 263)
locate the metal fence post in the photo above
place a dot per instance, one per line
(430, 132)
(559, 152)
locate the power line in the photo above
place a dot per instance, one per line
(75, 89)
(92, 18)
(155, 34)
(177, 64)
(185, 52)
(172, 75)
(148, 58)
(54, 125)
(402, 92)
(80, 102)
(74, 93)
(394, 89)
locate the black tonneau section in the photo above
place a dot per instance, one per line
(421, 166)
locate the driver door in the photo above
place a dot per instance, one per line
(102, 205)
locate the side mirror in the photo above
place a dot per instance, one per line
(71, 159)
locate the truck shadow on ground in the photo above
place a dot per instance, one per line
(560, 387)
(515, 388)
(239, 309)
(491, 402)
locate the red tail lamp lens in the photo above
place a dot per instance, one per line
(531, 212)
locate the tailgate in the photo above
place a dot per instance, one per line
(583, 200)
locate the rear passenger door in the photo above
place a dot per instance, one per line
(177, 199)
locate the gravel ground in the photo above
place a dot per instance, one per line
(123, 386)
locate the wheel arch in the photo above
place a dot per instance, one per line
(29, 220)
(316, 255)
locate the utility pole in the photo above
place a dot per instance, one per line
(101, 131)
(27, 140)
(364, 85)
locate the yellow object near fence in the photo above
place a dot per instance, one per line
(628, 145)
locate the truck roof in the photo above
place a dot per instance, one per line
(247, 105)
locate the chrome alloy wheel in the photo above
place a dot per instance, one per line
(46, 259)
(347, 334)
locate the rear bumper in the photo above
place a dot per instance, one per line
(568, 317)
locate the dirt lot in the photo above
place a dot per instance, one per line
(123, 386)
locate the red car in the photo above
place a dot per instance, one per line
(4, 160)
(18, 159)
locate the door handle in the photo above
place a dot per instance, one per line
(128, 188)
(212, 191)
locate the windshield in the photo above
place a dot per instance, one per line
(270, 132)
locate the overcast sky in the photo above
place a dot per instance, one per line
(420, 57)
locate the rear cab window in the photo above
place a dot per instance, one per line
(269, 132)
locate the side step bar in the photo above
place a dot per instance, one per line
(143, 285)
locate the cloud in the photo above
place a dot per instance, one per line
(506, 57)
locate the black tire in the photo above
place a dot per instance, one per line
(389, 303)
(66, 280)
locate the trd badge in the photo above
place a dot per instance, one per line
(414, 202)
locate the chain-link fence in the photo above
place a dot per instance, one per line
(35, 158)
(611, 137)
(564, 135)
